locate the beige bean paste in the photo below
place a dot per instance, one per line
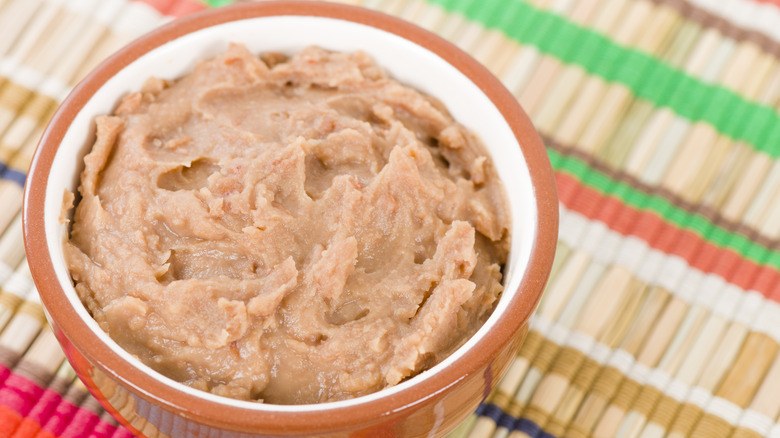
(287, 230)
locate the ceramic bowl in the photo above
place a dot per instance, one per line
(429, 404)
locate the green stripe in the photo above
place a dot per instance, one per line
(647, 77)
(670, 213)
(217, 3)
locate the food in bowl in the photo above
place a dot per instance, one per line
(292, 230)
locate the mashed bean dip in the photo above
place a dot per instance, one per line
(287, 230)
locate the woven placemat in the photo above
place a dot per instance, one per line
(661, 316)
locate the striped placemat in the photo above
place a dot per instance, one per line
(661, 316)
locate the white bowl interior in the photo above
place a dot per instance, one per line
(404, 60)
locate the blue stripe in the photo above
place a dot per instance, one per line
(528, 427)
(13, 175)
(502, 419)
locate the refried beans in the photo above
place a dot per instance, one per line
(287, 230)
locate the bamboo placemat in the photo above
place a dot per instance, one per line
(661, 316)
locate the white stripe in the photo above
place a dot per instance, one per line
(127, 19)
(640, 373)
(755, 421)
(724, 409)
(746, 14)
(677, 276)
(19, 283)
(775, 432)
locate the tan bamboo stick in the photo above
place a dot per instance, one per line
(598, 243)
(70, 24)
(496, 51)
(744, 376)
(535, 357)
(718, 156)
(748, 184)
(726, 181)
(550, 86)
(674, 326)
(15, 289)
(43, 357)
(50, 50)
(394, 7)
(429, 16)
(757, 420)
(617, 149)
(135, 19)
(14, 17)
(22, 329)
(723, 313)
(35, 113)
(594, 321)
(685, 167)
(590, 117)
(641, 155)
(11, 200)
(608, 277)
(40, 107)
(509, 387)
(412, 10)
(689, 331)
(611, 110)
(521, 66)
(714, 370)
(11, 249)
(562, 253)
(627, 321)
(758, 209)
(14, 91)
(744, 182)
(680, 127)
(609, 378)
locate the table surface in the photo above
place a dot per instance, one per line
(661, 315)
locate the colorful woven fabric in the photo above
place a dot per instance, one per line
(662, 314)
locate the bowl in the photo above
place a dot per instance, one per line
(429, 404)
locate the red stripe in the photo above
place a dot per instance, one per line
(772, 2)
(161, 5)
(175, 8)
(670, 239)
(184, 7)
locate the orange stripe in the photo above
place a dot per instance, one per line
(9, 420)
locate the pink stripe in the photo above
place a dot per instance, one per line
(45, 406)
(59, 419)
(39, 413)
(20, 394)
(103, 429)
(81, 424)
(4, 373)
(121, 432)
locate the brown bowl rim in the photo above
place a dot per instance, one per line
(339, 418)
